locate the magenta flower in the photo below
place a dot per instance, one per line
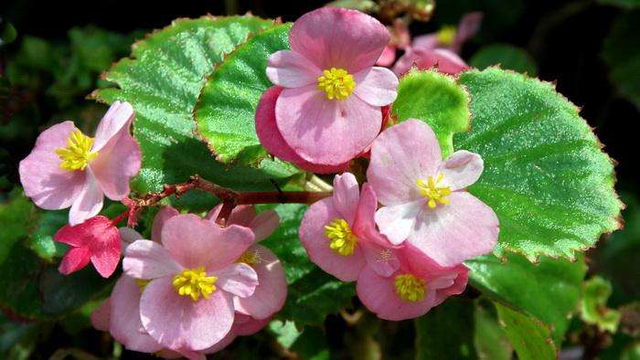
(417, 286)
(192, 279)
(424, 198)
(96, 240)
(329, 111)
(69, 169)
(340, 235)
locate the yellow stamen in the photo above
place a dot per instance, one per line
(342, 239)
(410, 288)
(250, 258)
(434, 193)
(77, 154)
(446, 36)
(194, 282)
(336, 83)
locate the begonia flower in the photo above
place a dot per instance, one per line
(339, 232)
(193, 278)
(417, 286)
(69, 169)
(329, 110)
(424, 197)
(400, 39)
(97, 240)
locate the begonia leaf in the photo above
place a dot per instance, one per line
(530, 338)
(594, 305)
(622, 52)
(507, 56)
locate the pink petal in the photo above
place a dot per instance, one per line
(397, 221)
(468, 26)
(226, 341)
(246, 325)
(428, 41)
(145, 259)
(238, 279)
(128, 236)
(126, 326)
(271, 292)
(382, 260)
(100, 316)
(377, 86)
(379, 295)
(105, 251)
(117, 162)
(50, 187)
(346, 195)
(337, 37)
(400, 156)
(264, 224)
(119, 116)
(459, 231)
(165, 213)
(240, 215)
(461, 169)
(177, 321)
(388, 56)
(364, 225)
(322, 131)
(194, 242)
(290, 69)
(89, 201)
(444, 60)
(316, 243)
(74, 260)
(270, 137)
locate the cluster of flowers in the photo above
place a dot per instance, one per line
(196, 285)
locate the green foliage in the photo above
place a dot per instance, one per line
(507, 56)
(530, 338)
(15, 216)
(226, 109)
(622, 53)
(627, 4)
(163, 80)
(313, 294)
(436, 99)
(594, 305)
(545, 174)
(489, 338)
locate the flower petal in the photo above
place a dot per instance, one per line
(194, 242)
(346, 195)
(468, 26)
(290, 69)
(145, 259)
(323, 131)
(316, 243)
(388, 56)
(364, 225)
(100, 316)
(127, 237)
(240, 215)
(377, 86)
(165, 213)
(379, 295)
(49, 186)
(428, 41)
(89, 201)
(459, 231)
(264, 224)
(125, 325)
(271, 292)
(461, 169)
(444, 60)
(397, 222)
(119, 116)
(177, 321)
(105, 251)
(74, 260)
(238, 279)
(270, 137)
(246, 325)
(341, 38)
(382, 260)
(400, 156)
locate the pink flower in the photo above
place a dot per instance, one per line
(340, 235)
(440, 49)
(193, 276)
(424, 198)
(400, 39)
(69, 169)
(329, 110)
(417, 286)
(96, 240)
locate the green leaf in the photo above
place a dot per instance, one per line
(594, 305)
(530, 338)
(545, 174)
(436, 99)
(225, 112)
(15, 216)
(41, 239)
(548, 290)
(489, 338)
(622, 53)
(627, 4)
(163, 80)
(507, 56)
(313, 294)
(446, 331)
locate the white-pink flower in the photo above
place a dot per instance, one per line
(330, 109)
(424, 197)
(69, 169)
(340, 235)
